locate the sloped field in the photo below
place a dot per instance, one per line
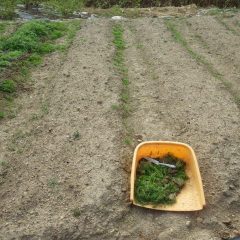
(66, 156)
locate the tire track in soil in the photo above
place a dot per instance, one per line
(83, 173)
(174, 98)
(221, 47)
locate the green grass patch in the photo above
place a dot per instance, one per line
(35, 59)
(156, 184)
(2, 115)
(128, 140)
(28, 43)
(34, 36)
(3, 163)
(25, 48)
(8, 57)
(53, 183)
(7, 9)
(3, 26)
(8, 86)
(65, 8)
(178, 37)
(118, 62)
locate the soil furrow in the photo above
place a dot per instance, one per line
(218, 46)
(69, 159)
(178, 100)
(64, 167)
(233, 21)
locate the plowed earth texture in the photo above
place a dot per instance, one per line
(65, 157)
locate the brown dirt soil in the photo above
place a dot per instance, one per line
(65, 153)
(188, 10)
(220, 46)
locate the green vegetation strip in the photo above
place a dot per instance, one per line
(201, 60)
(156, 184)
(123, 72)
(24, 49)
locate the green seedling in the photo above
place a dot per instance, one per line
(52, 183)
(2, 115)
(76, 212)
(76, 135)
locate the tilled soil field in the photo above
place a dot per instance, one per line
(68, 160)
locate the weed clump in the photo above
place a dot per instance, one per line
(76, 212)
(76, 135)
(32, 37)
(1, 115)
(157, 184)
(24, 49)
(8, 86)
(29, 42)
(7, 9)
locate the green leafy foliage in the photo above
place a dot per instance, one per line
(35, 59)
(3, 26)
(121, 68)
(156, 184)
(1, 115)
(8, 86)
(30, 41)
(32, 37)
(7, 8)
(6, 58)
(24, 48)
(66, 7)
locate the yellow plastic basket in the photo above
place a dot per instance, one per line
(191, 197)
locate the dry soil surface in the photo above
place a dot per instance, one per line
(64, 164)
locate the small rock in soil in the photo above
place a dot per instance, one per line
(188, 223)
(117, 18)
